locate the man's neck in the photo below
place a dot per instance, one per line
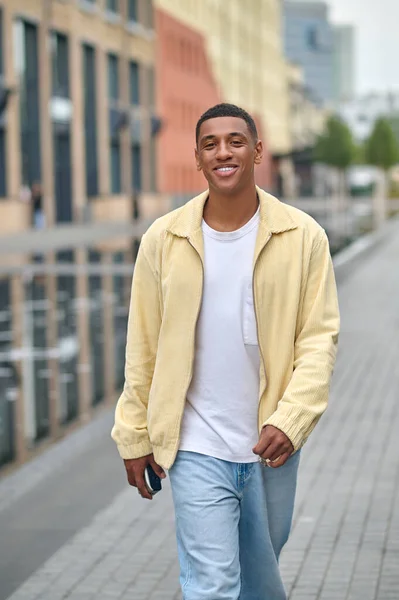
(229, 213)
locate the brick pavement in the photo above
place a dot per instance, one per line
(345, 539)
(35, 471)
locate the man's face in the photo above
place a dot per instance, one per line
(227, 153)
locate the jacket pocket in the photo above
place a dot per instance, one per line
(249, 319)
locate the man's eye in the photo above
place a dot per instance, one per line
(237, 143)
(208, 146)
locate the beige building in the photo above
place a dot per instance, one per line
(77, 137)
(307, 118)
(245, 47)
(80, 108)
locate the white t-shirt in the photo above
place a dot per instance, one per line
(221, 413)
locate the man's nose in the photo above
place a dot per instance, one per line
(224, 151)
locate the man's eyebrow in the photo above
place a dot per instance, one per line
(206, 138)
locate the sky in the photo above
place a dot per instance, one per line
(377, 41)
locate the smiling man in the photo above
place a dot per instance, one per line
(231, 344)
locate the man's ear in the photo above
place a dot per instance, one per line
(258, 152)
(197, 160)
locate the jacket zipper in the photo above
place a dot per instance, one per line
(196, 321)
(195, 328)
(256, 319)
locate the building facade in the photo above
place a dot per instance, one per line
(80, 115)
(344, 62)
(78, 128)
(244, 53)
(307, 120)
(362, 111)
(309, 42)
(185, 89)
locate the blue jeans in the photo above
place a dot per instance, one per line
(232, 521)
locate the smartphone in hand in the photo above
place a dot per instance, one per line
(152, 481)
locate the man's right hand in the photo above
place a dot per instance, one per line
(135, 468)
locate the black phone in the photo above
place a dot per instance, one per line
(152, 481)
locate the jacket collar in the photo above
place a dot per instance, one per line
(274, 216)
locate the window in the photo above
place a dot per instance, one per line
(60, 65)
(114, 117)
(116, 187)
(132, 14)
(312, 38)
(115, 150)
(113, 77)
(113, 6)
(136, 167)
(134, 83)
(153, 164)
(90, 119)
(26, 43)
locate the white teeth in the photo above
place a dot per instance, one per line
(225, 168)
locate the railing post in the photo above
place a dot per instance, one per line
(109, 329)
(17, 304)
(52, 344)
(82, 317)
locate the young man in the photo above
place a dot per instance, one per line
(231, 344)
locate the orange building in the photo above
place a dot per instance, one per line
(186, 88)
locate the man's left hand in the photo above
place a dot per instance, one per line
(273, 446)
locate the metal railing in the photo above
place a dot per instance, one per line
(64, 301)
(63, 322)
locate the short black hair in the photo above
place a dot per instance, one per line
(227, 110)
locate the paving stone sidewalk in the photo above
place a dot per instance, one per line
(345, 539)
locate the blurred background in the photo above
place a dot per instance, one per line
(98, 105)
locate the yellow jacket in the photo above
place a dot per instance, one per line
(297, 321)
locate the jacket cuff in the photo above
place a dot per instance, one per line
(296, 424)
(135, 450)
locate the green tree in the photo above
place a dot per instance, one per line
(335, 147)
(382, 149)
(358, 156)
(394, 123)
